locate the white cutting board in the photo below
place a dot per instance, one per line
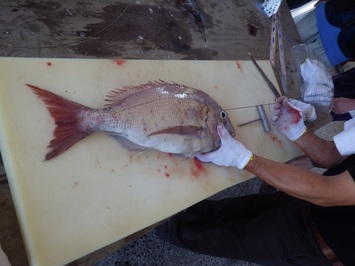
(97, 193)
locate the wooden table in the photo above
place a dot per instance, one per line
(142, 30)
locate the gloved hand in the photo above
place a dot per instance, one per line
(308, 111)
(288, 119)
(231, 152)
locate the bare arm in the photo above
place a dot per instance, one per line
(343, 105)
(301, 183)
(322, 152)
(304, 184)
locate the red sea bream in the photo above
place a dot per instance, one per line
(162, 116)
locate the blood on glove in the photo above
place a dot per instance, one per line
(288, 119)
(308, 111)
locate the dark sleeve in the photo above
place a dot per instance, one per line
(347, 165)
(343, 5)
(352, 171)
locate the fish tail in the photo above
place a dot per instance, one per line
(68, 130)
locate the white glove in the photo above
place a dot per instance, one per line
(288, 119)
(308, 111)
(231, 152)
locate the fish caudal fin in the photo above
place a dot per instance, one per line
(65, 113)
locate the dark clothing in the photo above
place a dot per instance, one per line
(269, 229)
(341, 13)
(344, 86)
(337, 224)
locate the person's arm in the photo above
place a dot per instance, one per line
(322, 152)
(305, 184)
(301, 183)
(343, 105)
(298, 182)
(288, 118)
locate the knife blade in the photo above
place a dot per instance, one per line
(268, 81)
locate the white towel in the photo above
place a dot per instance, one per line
(314, 72)
(318, 83)
(345, 140)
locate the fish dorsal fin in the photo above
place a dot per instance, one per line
(115, 96)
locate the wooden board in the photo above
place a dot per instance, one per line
(97, 192)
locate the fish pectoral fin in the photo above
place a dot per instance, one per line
(179, 130)
(128, 144)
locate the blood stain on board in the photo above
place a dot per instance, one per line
(239, 66)
(49, 64)
(119, 62)
(276, 140)
(197, 168)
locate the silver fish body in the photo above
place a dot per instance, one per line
(157, 115)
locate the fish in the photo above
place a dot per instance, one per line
(156, 115)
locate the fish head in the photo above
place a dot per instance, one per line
(224, 119)
(220, 116)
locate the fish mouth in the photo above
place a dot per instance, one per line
(232, 132)
(230, 128)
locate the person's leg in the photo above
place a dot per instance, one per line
(267, 229)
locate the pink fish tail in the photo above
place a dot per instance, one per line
(68, 130)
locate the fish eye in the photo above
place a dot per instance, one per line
(223, 114)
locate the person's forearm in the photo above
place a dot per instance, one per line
(322, 152)
(298, 182)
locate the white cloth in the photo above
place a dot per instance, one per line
(345, 140)
(318, 83)
(314, 72)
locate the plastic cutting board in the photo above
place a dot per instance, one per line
(97, 193)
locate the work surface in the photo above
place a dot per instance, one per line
(97, 192)
(132, 30)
